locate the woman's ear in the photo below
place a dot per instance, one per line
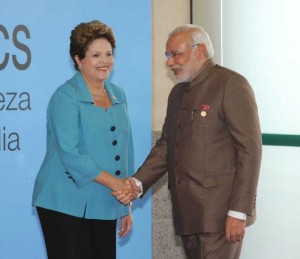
(77, 60)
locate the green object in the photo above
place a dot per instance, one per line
(281, 140)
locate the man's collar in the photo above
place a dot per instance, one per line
(203, 72)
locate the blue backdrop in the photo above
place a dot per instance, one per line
(34, 61)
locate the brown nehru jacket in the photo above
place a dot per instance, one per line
(211, 148)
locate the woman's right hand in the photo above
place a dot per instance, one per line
(128, 195)
(124, 188)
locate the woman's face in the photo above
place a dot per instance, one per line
(98, 61)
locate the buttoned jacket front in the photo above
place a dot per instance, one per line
(82, 141)
(211, 148)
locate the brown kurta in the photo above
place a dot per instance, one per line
(211, 148)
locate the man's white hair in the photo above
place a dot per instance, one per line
(198, 35)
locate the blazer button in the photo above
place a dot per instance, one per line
(118, 172)
(113, 128)
(179, 125)
(117, 157)
(115, 142)
(178, 181)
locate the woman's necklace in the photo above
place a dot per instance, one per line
(101, 94)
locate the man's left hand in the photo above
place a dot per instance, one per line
(235, 229)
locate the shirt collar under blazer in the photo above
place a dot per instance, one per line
(84, 95)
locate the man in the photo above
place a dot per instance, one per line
(211, 148)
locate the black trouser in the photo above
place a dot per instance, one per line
(68, 237)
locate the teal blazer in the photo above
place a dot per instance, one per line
(82, 141)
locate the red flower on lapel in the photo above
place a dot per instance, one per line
(204, 107)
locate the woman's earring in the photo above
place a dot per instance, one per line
(79, 67)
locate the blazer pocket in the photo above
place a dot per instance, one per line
(218, 180)
(208, 182)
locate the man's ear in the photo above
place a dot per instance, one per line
(201, 51)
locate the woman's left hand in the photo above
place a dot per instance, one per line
(126, 224)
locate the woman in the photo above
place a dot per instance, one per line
(89, 150)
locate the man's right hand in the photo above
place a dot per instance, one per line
(131, 193)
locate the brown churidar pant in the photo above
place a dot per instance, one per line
(210, 246)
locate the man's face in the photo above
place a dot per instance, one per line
(182, 58)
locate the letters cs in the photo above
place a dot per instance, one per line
(21, 46)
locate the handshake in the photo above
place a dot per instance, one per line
(127, 191)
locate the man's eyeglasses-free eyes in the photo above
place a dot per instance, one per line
(175, 54)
